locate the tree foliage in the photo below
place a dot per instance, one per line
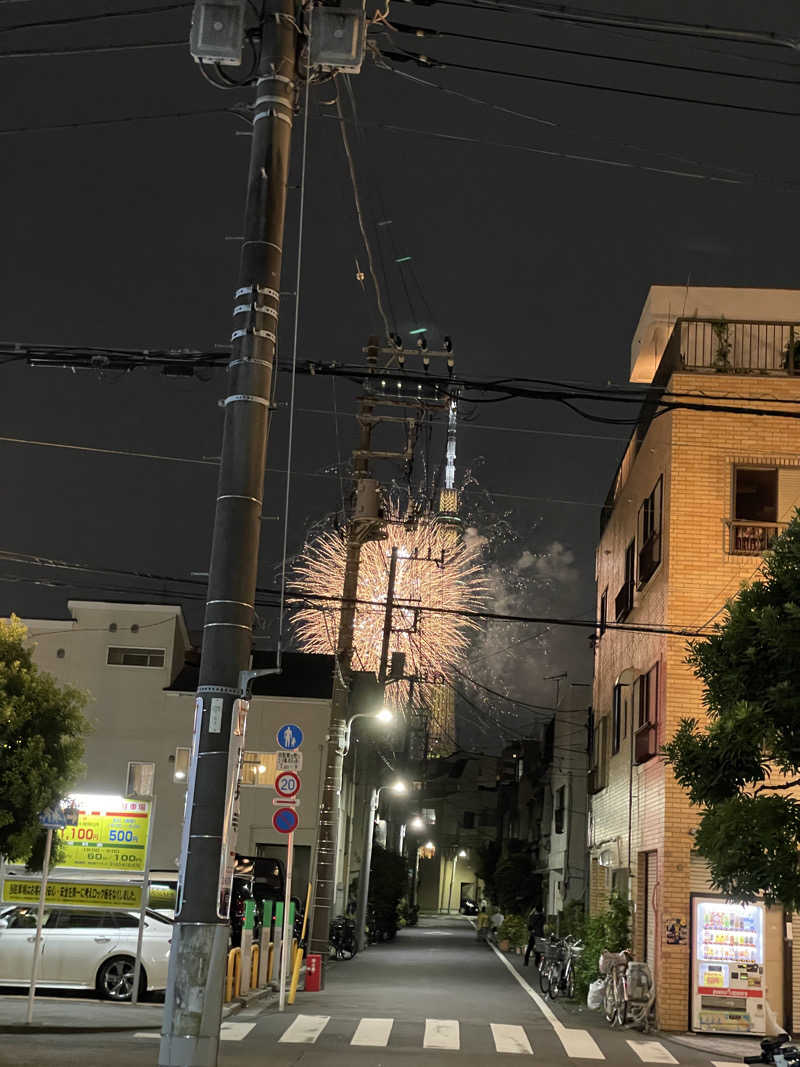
(41, 744)
(611, 930)
(739, 767)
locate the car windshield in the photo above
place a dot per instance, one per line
(158, 916)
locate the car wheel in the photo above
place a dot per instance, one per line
(115, 979)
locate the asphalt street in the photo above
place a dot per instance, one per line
(434, 996)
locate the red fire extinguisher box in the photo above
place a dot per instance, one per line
(313, 972)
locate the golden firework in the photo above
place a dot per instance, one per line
(435, 570)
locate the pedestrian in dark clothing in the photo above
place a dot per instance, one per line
(535, 929)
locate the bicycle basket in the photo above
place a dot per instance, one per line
(609, 960)
(554, 952)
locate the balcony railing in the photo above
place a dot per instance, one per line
(747, 538)
(644, 742)
(731, 346)
(649, 558)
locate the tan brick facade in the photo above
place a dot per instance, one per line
(642, 809)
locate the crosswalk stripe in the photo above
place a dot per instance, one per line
(374, 1032)
(725, 1063)
(235, 1031)
(509, 1038)
(652, 1052)
(305, 1029)
(441, 1033)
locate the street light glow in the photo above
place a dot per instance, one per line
(417, 823)
(462, 854)
(399, 787)
(429, 844)
(384, 715)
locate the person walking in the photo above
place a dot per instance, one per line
(535, 929)
(482, 924)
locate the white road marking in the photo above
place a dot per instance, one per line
(652, 1052)
(442, 1033)
(374, 1032)
(577, 1043)
(235, 1031)
(724, 1063)
(227, 1032)
(305, 1029)
(510, 1039)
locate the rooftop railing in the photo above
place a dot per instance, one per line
(730, 346)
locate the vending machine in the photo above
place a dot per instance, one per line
(728, 967)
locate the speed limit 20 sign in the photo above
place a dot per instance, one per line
(287, 784)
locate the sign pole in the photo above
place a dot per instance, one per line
(137, 969)
(287, 940)
(37, 941)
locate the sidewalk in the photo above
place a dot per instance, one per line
(70, 1015)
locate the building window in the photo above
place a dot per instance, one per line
(755, 510)
(646, 737)
(649, 533)
(135, 657)
(623, 603)
(429, 815)
(616, 719)
(559, 808)
(603, 611)
(260, 768)
(468, 820)
(598, 774)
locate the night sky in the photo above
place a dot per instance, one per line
(535, 265)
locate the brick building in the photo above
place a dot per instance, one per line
(694, 503)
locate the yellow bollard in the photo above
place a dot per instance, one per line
(233, 974)
(270, 961)
(298, 960)
(255, 952)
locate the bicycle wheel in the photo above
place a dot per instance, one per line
(555, 979)
(569, 984)
(609, 999)
(544, 976)
(622, 1001)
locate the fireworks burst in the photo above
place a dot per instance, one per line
(435, 569)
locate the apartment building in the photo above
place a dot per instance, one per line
(137, 664)
(697, 499)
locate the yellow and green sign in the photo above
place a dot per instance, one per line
(110, 834)
(73, 894)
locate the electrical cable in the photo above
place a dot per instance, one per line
(132, 46)
(87, 124)
(425, 31)
(550, 123)
(159, 9)
(432, 61)
(293, 379)
(359, 214)
(441, 135)
(565, 13)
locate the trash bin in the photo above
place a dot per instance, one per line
(313, 972)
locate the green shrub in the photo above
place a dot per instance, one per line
(608, 930)
(515, 929)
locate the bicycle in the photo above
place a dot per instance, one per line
(562, 970)
(342, 939)
(552, 951)
(614, 966)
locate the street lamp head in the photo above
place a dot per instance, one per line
(417, 823)
(399, 787)
(429, 844)
(384, 715)
(462, 854)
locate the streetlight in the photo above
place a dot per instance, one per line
(385, 715)
(461, 854)
(417, 823)
(398, 787)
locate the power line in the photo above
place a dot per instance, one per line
(575, 157)
(159, 9)
(424, 31)
(88, 123)
(431, 61)
(27, 53)
(565, 13)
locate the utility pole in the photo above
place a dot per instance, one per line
(193, 1007)
(365, 525)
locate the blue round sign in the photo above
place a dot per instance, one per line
(285, 820)
(289, 737)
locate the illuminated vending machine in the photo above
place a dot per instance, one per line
(728, 967)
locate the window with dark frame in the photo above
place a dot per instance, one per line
(755, 510)
(559, 809)
(468, 820)
(603, 611)
(649, 533)
(624, 599)
(647, 705)
(616, 720)
(135, 657)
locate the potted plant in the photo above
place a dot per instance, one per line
(791, 353)
(513, 933)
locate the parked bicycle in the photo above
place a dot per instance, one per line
(629, 990)
(776, 1050)
(342, 938)
(551, 952)
(561, 978)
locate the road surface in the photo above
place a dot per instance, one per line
(434, 997)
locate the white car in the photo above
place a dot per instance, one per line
(84, 948)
